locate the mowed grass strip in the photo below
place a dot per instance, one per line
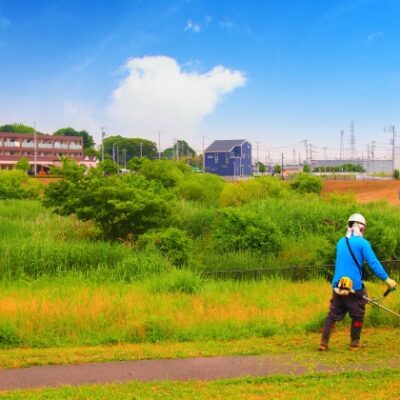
(300, 347)
(376, 385)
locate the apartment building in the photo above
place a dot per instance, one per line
(42, 151)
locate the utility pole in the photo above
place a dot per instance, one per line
(306, 146)
(34, 149)
(141, 149)
(373, 144)
(341, 145)
(204, 158)
(311, 152)
(102, 142)
(159, 145)
(392, 129)
(282, 167)
(258, 160)
(353, 150)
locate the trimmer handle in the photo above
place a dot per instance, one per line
(388, 290)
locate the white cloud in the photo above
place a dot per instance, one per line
(157, 95)
(80, 116)
(192, 26)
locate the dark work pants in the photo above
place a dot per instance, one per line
(353, 304)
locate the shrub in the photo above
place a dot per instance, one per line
(122, 206)
(306, 183)
(173, 243)
(238, 193)
(241, 229)
(22, 164)
(16, 184)
(168, 173)
(177, 281)
(383, 239)
(197, 220)
(8, 335)
(204, 188)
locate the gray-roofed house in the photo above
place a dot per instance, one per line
(228, 158)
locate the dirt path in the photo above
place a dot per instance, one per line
(203, 368)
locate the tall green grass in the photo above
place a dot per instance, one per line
(177, 306)
(35, 243)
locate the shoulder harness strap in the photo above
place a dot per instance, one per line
(354, 258)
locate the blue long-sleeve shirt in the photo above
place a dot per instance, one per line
(345, 265)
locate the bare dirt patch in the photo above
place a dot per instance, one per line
(366, 191)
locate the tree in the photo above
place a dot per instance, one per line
(306, 169)
(108, 167)
(87, 139)
(92, 152)
(260, 167)
(23, 164)
(123, 149)
(121, 206)
(136, 163)
(180, 149)
(16, 128)
(276, 169)
(167, 172)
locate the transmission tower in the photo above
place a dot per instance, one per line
(353, 151)
(341, 145)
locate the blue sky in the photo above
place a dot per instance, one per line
(274, 72)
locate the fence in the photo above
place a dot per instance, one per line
(294, 273)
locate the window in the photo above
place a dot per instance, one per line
(216, 158)
(227, 158)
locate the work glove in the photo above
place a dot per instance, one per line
(391, 283)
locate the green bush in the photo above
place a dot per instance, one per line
(196, 219)
(15, 184)
(177, 281)
(239, 193)
(204, 188)
(173, 243)
(167, 172)
(122, 206)
(242, 229)
(383, 239)
(8, 335)
(307, 183)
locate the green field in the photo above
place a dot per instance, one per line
(68, 294)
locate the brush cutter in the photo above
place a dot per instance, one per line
(377, 302)
(345, 287)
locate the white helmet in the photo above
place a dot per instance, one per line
(357, 218)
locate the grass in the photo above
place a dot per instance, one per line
(376, 385)
(175, 307)
(301, 346)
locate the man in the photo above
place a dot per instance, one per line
(351, 251)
